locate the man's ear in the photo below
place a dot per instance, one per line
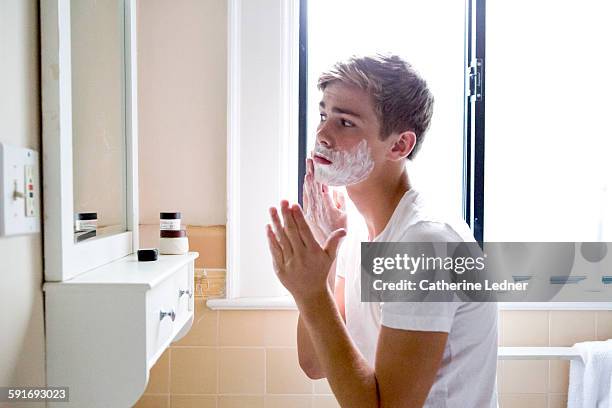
(403, 145)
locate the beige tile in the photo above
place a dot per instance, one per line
(557, 401)
(522, 401)
(280, 328)
(284, 375)
(570, 327)
(193, 370)
(559, 376)
(241, 371)
(193, 401)
(287, 401)
(241, 402)
(210, 243)
(322, 386)
(159, 376)
(204, 329)
(152, 401)
(212, 285)
(525, 328)
(319, 401)
(524, 377)
(241, 327)
(604, 325)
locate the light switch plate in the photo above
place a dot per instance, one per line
(19, 191)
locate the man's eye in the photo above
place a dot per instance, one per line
(346, 123)
(323, 117)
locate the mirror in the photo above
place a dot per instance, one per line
(98, 117)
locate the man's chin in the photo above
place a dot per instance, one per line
(323, 175)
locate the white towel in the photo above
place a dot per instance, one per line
(590, 381)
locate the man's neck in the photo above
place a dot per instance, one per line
(377, 198)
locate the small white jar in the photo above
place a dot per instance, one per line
(170, 221)
(173, 242)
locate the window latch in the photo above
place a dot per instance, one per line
(475, 78)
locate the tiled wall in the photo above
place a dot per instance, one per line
(235, 359)
(248, 359)
(543, 383)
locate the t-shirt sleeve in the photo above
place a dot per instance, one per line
(422, 316)
(419, 316)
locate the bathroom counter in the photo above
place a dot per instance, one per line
(127, 271)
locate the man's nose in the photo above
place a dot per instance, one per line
(323, 136)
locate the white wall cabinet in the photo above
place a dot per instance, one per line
(107, 327)
(108, 317)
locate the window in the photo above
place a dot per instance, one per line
(432, 42)
(546, 125)
(542, 174)
(548, 135)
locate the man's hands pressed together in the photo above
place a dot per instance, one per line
(300, 262)
(323, 213)
(304, 267)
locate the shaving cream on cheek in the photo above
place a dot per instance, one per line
(346, 168)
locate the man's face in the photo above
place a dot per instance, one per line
(348, 143)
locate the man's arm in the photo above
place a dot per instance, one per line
(406, 361)
(406, 365)
(409, 360)
(306, 352)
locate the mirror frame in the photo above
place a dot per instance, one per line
(63, 258)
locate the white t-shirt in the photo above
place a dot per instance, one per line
(467, 375)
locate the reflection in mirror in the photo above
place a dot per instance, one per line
(98, 117)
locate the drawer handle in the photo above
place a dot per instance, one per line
(163, 314)
(185, 292)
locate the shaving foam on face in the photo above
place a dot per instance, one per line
(346, 168)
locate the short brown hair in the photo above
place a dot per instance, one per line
(401, 98)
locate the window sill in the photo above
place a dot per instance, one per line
(253, 303)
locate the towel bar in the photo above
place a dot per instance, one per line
(537, 353)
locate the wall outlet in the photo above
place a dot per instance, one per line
(19, 191)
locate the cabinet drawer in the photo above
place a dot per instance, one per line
(164, 311)
(184, 291)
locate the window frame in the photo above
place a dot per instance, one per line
(262, 137)
(244, 260)
(474, 116)
(473, 135)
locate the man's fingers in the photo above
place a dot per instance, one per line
(275, 248)
(339, 200)
(310, 166)
(290, 226)
(327, 200)
(331, 245)
(306, 193)
(303, 228)
(314, 200)
(280, 234)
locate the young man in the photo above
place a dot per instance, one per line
(374, 114)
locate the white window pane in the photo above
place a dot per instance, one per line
(547, 160)
(430, 36)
